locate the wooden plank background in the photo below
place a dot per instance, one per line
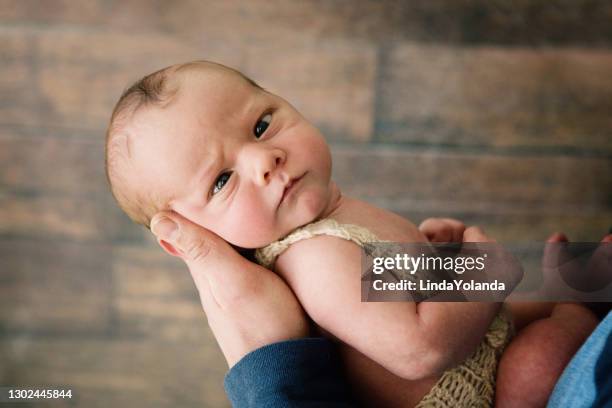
(497, 113)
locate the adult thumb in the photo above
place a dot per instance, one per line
(223, 277)
(189, 241)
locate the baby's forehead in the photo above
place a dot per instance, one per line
(206, 97)
(217, 92)
(214, 78)
(207, 101)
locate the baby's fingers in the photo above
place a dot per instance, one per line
(476, 234)
(442, 229)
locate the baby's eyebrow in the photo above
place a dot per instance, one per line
(251, 107)
(206, 172)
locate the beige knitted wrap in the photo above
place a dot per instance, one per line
(471, 384)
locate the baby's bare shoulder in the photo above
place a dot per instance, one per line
(327, 252)
(385, 224)
(321, 252)
(323, 271)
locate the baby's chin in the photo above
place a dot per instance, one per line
(311, 206)
(264, 238)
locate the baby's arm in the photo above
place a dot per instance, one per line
(412, 341)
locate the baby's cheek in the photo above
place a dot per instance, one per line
(310, 204)
(252, 227)
(316, 152)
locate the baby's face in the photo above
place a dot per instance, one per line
(235, 159)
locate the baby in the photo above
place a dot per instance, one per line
(205, 141)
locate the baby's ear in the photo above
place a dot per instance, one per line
(169, 248)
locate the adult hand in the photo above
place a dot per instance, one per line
(247, 306)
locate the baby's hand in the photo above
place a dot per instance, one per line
(443, 229)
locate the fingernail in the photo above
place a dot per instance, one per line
(164, 228)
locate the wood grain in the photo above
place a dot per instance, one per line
(495, 114)
(55, 287)
(123, 373)
(582, 22)
(530, 99)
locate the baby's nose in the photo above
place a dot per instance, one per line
(268, 161)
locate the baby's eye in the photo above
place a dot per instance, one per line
(221, 182)
(262, 124)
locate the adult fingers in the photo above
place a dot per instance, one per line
(247, 306)
(211, 261)
(187, 240)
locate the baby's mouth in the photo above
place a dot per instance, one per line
(290, 187)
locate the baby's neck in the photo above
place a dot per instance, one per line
(334, 202)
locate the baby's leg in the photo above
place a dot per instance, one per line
(524, 313)
(536, 357)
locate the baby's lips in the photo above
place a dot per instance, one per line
(286, 187)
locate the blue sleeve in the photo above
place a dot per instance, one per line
(587, 380)
(295, 373)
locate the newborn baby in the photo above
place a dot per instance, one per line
(204, 141)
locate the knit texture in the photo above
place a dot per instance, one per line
(471, 384)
